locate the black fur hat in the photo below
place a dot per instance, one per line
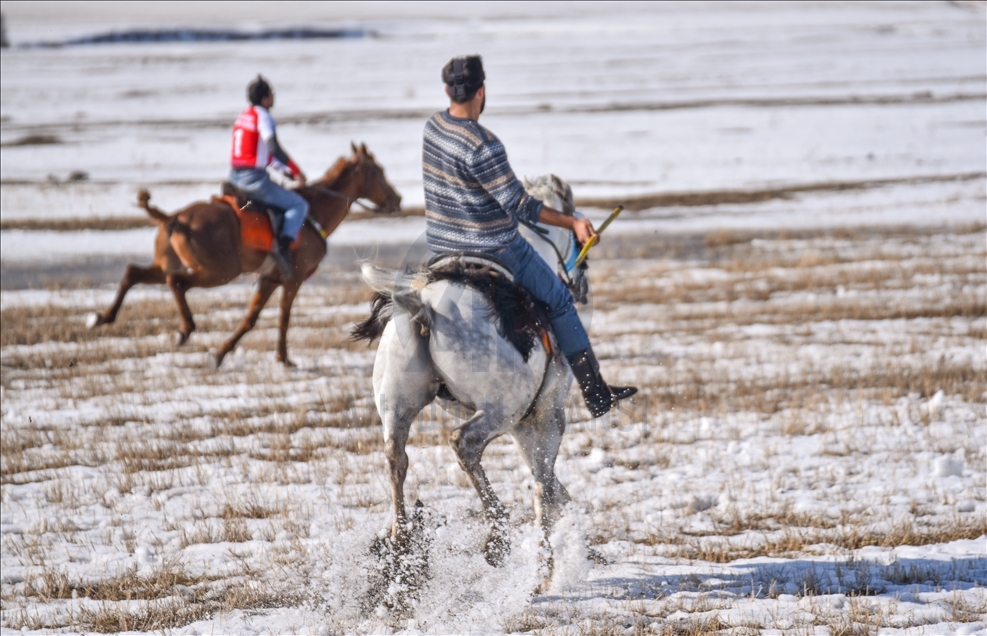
(464, 76)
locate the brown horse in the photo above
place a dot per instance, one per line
(201, 246)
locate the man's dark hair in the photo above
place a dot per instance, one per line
(464, 76)
(257, 90)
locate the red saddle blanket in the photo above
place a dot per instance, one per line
(255, 226)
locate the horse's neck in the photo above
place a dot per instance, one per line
(333, 208)
(345, 182)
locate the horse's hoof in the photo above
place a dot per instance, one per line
(497, 548)
(596, 557)
(179, 338)
(288, 364)
(382, 545)
(94, 320)
(215, 359)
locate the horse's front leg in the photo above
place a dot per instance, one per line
(265, 287)
(289, 290)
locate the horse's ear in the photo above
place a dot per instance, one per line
(353, 146)
(363, 148)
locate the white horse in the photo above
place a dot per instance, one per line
(440, 343)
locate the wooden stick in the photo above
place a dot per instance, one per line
(596, 239)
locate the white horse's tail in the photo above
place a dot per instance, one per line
(393, 288)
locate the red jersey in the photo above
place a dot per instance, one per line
(251, 132)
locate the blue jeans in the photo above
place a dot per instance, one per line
(256, 183)
(534, 274)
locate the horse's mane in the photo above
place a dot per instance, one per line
(334, 172)
(518, 316)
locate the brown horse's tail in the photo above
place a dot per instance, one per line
(144, 202)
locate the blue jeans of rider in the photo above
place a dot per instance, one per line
(257, 184)
(534, 274)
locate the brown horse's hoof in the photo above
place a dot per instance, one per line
(94, 320)
(215, 359)
(288, 363)
(179, 338)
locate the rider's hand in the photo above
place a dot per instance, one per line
(300, 179)
(583, 229)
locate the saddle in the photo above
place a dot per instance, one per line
(259, 222)
(519, 317)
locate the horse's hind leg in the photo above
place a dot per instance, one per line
(265, 287)
(404, 383)
(180, 284)
(469, 442)
(538, 439)
(133, 275)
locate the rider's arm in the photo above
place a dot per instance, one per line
(278, 153)
(582, 228)
(265, 126)
(488, 164)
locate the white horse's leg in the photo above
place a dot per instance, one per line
(469, 442)
(485, 372)
(538, 437)
(404, 383)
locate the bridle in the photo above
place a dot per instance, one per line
(351, 200)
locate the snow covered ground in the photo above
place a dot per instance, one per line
(618, 100)
(807, 454)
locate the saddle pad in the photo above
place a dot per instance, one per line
(255, 227)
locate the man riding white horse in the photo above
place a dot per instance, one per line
(255, 147)
(473, 203)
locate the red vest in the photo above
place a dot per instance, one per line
(249, 149)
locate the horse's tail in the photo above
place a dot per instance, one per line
(392, 288)
(144, 202)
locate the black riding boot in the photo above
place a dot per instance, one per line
(283, 257)
(599, 397)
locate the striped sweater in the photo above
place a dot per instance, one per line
(473, 201)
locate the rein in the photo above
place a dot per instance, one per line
(543, 235)
(350, 200)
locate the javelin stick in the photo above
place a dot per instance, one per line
(596, 239)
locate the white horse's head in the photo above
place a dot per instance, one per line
(556, 246)
(552, 191)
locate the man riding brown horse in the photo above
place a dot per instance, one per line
(473, 203)
(255, 148)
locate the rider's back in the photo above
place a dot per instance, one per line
(472, 198)
(250, 132)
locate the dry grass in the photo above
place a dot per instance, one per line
(705, 389)
(794, 540)
(125, 586)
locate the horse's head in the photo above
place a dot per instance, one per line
(556, 246)
(552, 191)
(375, 185)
